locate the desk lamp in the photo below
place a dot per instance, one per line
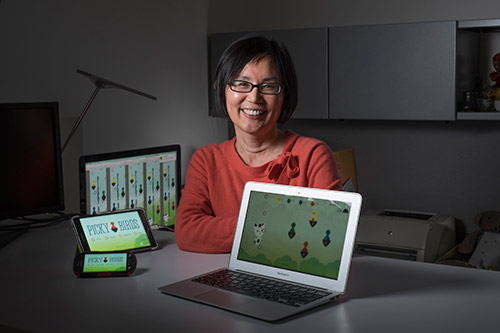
(100, 83)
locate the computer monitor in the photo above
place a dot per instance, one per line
(31, 167)
(146, 178)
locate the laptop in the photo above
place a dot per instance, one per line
(147, 178)
(295, 238)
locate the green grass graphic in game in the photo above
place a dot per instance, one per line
(295, 233)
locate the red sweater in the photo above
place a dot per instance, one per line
(208, 211)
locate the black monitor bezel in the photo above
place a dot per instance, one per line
(60, 205)
(126, 154)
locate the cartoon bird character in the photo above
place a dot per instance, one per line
(259, 230)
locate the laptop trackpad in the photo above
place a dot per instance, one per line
(223, 298)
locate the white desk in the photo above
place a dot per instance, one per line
(39, 292)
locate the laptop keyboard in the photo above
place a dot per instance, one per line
(261, 287)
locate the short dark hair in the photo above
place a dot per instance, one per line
(249, 48)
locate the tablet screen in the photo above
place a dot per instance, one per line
(114, 232)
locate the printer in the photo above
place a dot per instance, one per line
(409, 235)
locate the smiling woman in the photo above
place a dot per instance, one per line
(256, 88)
(254, 113)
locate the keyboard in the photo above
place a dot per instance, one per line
(261, 287)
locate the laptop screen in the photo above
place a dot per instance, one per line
(144, 178)
(295, 233)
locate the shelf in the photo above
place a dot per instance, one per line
(480, 25)
(493, 115)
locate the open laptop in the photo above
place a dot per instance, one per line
(302, 237)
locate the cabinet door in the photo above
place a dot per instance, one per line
(395, 71)
(309, 52)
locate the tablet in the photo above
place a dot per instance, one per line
(116, 231)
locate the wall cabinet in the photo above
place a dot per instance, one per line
(309, 50)
(398, 71)
(411, 71)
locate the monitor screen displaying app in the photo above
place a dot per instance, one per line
(144, 181)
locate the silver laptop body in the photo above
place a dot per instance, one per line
(295, 235)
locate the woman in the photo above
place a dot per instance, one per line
(256, 87)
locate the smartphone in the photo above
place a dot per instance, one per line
(104, 264)
(119, 231)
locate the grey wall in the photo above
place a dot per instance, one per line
(155, 46)
(160, 47)
(448, 168)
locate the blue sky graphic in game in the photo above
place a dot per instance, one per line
(295, 233)
(136, 182)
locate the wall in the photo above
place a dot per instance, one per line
(159, 47)
(448, 168)
(155, 46)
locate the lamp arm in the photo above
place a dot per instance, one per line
(99, 86)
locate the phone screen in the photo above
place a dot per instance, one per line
(105, 262)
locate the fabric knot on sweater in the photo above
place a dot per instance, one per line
(284, 168)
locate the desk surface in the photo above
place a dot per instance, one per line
(39, 292)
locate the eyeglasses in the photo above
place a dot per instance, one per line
(264, 88)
